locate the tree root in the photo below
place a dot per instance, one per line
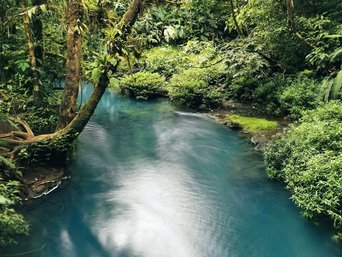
(24, 124)
(12, 142)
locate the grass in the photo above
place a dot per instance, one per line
(252, 124)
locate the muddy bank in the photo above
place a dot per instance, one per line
(40, 181)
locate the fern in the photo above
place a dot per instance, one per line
(336, 87)
(336, 55)
(327, 85)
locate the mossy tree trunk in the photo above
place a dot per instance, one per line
(31, 52)
(37, 29)
(68, 107)
(238, 28)
(58, 143)
(290, 14)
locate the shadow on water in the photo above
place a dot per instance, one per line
(149, 183)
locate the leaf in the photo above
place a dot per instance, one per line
(337, 54)
(32, 11)
(181, 33)
(113, 82)
(113, 61)
(43, 7)
(328, 85)
(336, 87)
(95, 74)
(333, 36)
(4, 200)
(170, 32)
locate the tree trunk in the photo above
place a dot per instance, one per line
(130, 17)
(58, 143)
(239, 30)
(37, 28)
(32, 56)
(53, 147)
(290, 16)
(68, 107)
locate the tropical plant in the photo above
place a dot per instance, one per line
(308, 159)
(11, 223)
(143, 85)
(302, 94)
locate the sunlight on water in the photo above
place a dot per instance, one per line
(151, 183)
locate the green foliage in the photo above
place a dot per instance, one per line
(6, 164)
(143, 85)
(310, 42)
(204, 20)
(101, 63)
(267, 93)
(253, 124)
(198, 87)
(246, 69)
(302, 94)
(43, 118)
(194, 73)
(308, 159)
(166, 60)
(16, 100)
(11, 223)
(335, 91)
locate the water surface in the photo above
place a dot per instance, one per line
(149, 183)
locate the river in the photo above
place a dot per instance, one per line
(147, 182)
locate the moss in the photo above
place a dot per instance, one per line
(253, 124)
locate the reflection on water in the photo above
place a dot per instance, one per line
(149, 183)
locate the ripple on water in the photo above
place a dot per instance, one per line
(149, 183)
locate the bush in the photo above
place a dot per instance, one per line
(195, 74)
(143, 85)
(308, 158)
(168, 60)
(165, 60)
(303, 94)
(11, 223)
(198, 88)
(246, 69)
(243, 88)
(267, 94)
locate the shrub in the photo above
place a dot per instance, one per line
(246, 69)
(308, 158)
(303, 94)
(268, 92)
(242, 88)
(11, 223)
(168, 60)
(143, 85)
(195, 74)
(165, 60)
(198, 88)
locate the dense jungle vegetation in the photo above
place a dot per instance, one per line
(280, 58)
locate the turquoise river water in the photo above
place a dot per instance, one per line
(147, 182)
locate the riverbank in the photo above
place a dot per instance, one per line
(259, 127)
